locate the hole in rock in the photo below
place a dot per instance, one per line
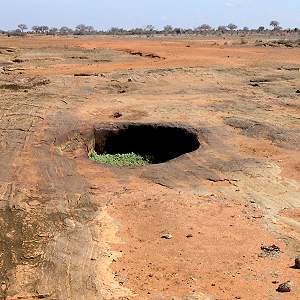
(156, 142)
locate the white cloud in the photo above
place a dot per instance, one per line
(229, 4)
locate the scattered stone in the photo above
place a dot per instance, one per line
(259, 80)
(79, 57)
(297, 262)
(270, 250)
(255, 84)
(85, 74)
(12, 69)
(18, 60)
(70, 223)
(289, 68)
(117, 115)
(189, 235)
(298, 92)
(284, 287)
(167, 236)
(43, 296)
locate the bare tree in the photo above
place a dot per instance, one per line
(138, 31)
(35, 28)
(90, 29)
(53, 31)
(22, 27)
(116, 31)
(178, 30)
(168, 29)
(222, 29)
(65, 30)
(44, 29)
(261, 29)
(81, 29)
(149, 28)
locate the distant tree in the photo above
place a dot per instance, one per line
(81, 29)
(168, 29)
(35, 28)
(17, 32)
(205, 27)
(261, 29)
(22, 27)
(138, 31)
(115, 30)
(178, 30)
(90, 29)
(149, 28)
(222, 29)
(231, 27)
(65, 30)
(246, 29)
(53, 31)
(44, 29)
(274, 24)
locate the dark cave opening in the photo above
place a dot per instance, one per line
(157, 142)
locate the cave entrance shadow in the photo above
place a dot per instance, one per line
(157, 142)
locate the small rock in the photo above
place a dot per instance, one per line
(70, 223)
(17, 60)
(270, 250)
(284, 287)
(298, 92)
(117, 115)
(255, 84)
(43, 296)
(3, 286)
(297, 262)
(167, 236)
(189, 235)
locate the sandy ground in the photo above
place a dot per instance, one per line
(75, 229)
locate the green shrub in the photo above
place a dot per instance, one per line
(120, 160)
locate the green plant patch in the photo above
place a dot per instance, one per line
(120, 160)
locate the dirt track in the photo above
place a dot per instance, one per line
(74, 229)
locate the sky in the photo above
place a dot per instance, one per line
(103, 14)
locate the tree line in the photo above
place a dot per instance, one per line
(83, 29)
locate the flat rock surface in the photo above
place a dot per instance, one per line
(75, 229)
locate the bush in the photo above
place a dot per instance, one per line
(120, 160)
